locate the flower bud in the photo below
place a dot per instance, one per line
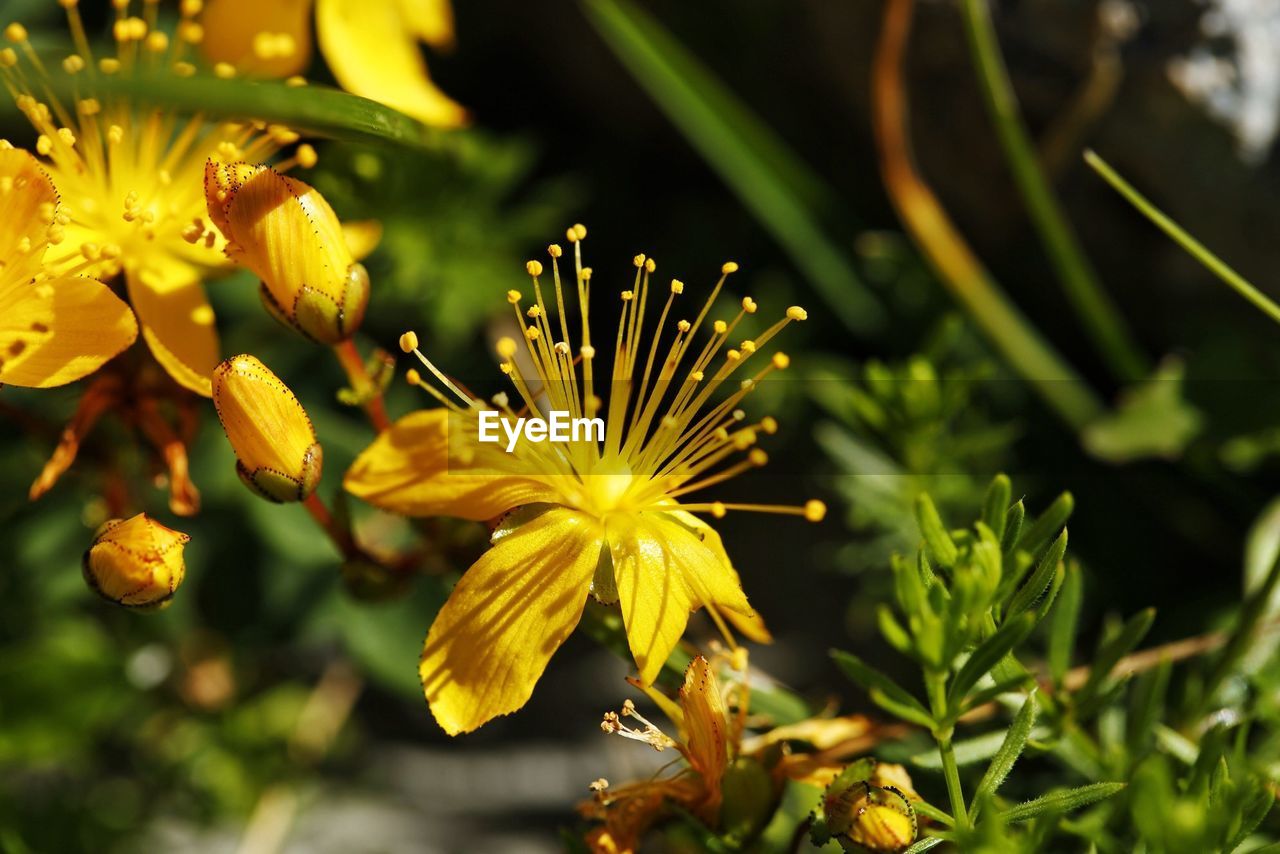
(283, 230)
(864, 812)
(136, 562)
(277, 455)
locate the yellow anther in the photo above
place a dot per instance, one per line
(814, 510)
(638, 261)
(769, 425)
(534, 311)
(224, 70)
(587, 351)
(73, 64)
(586, 274)
(532, 333)
(696, 376)
(191, 8)
(506, 347)
(409, 341)
(747, 384)
(115, 134)
(513, 297)
(89, 106)
(184, 69)
(562, 347)
(628, 296)
(554, 250)
(677, 286)
(501, 400)
(797, 313)
(109, 65)
(191, 32)
(44, 145)
(15, 33)
(650, 265)
(67, 136)
(719, 327)
(757, 457)
(749, 305)
(8, 58)
(412, 377)
(729, 267)
(732, 355)
(533, 268)
(306, 155)
(296, 81)
(158, 42)
(90, 251)
(684, 325)
(579, 231)
(781, 361)
(718, 509)
(748, 346)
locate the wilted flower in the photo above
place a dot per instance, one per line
(372, 46)
(283, 230)
(605, 516)
(129, 176)
(136, 562)
(54, 329)
(277, 455)
(868, 808)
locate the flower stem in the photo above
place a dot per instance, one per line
(362, 384)
(1101, 319)
(936, 684)
(340, 536)
(957, 267)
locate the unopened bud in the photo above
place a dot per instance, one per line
(136, 562)
(277, 455)
(864, 812)
(283, 230)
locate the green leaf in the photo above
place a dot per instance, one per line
(924, 844)
(1011, 748)
(988, 655)
(1040, 580)
(1046, 527)
(941, 548)
(1147, 705)
(995, 509)
(1064, 623)
(309, 109)
(876, 683)
(1261, 551)
(971, 751)
(1151, 420)
(748, 155)
(1056, 803)
(1110, 653)
(1013, 527)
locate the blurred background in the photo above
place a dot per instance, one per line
(269, 709)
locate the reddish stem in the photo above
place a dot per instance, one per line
(362, 384)
(340, 536)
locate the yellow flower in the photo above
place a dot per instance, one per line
(130, 177)
(283, 230)
(136, 562)
(372, 46)
(54, 329)
(277, 455)
(868, 808)
(606, 515)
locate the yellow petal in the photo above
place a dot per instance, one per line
(705, 727)
(177, 322)
(429, 20)
(509, 613)
(60, 330)
(27, 205)
(734, 605)
(363, 236)
(272, 39)
(650, 564)
(414, 469)
(373, 51)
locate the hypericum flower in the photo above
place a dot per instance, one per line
(136, 562)
(129, 176)
(54, 329)
(285, 231)
(606, 515)
(372, 46)
(277, 455)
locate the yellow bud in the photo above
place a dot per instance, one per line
(277, 455)
(136, 562)
(865, 816)
(283, 230)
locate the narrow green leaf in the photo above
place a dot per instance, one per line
(1251, 613)
(314, 110)
(1064, 623)
(1007, 685)
(1040, 580)
(896, 706)
(873, 680)
(924, 844)
(1056, 803)
(1013, 527)
(941, 548)
(1120, 645)
(749, 157)
(995, 509)
(1147, 706)
(1011, 748)
(971, 751)
(988, 655)
(893, 632)
(1047, 526)
(929, 811)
